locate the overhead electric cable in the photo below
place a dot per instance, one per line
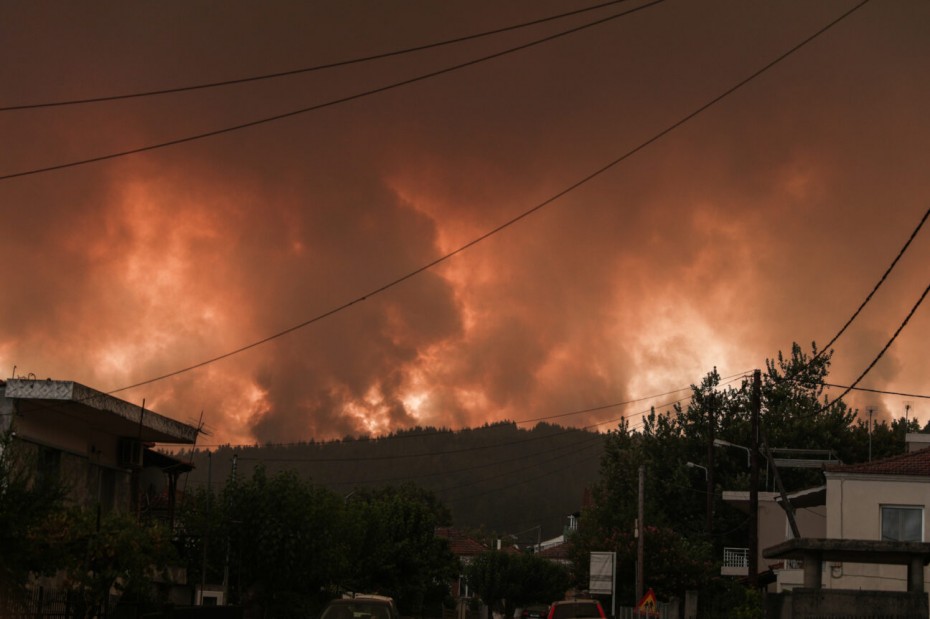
(641, 414)
(423, 454)
(882, 352)
(878, 391)
(510, 485)
(877, 285)
(573, 186)
(483, 465)
(601, 407)
(330, 103)
(303, 70)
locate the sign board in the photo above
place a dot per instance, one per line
(648, 604)
(602, 573)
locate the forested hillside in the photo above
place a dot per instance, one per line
(500, 478)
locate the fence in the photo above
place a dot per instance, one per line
(42, 603)
(666, 610)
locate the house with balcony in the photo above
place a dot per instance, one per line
(98, 444)
(773, 528)
(102, 449)
(871, 561)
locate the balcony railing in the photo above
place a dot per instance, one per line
(736, 557)
(735, 562)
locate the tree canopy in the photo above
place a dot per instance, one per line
(507, 580)
(286, 545)
(794, 413)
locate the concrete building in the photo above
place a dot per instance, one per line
(871, 560)
(97, 444)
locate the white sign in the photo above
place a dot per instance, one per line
(602, 572)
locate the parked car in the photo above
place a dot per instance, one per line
(570, 609)
(535, 611)
(361, 607)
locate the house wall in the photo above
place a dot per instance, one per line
(774, 528)
(85, 458)
(854, 512)
(57, 429)
(86, 482)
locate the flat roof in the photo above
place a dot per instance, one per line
(121, 417)
(810, 497)
(850, 550)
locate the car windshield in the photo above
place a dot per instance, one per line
(575, 609)
(357, 610)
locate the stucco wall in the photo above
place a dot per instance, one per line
(854, 512)
(86, 483)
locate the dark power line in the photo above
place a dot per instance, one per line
(304, 70)
(325, 104)
(513, 220)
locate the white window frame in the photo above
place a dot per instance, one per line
(917, 508)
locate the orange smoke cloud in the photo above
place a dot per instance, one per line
(763, 221)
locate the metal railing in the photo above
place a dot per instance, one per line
(735, 557)
(663, 611)
(47, 604)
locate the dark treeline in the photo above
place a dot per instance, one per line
(498, 478)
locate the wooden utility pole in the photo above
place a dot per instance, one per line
(755, 407)
(711, 430)
(640, 534)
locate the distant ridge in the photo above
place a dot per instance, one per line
(500, 478)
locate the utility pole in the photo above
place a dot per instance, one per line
(640, 533)
(755, 406)
(206, 526)
(711, 429)
(871, 410)
(235, 462)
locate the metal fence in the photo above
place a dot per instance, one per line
(665, 610)
(52, 604)
(43, 603)
(736, 557)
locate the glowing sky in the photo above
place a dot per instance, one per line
(763, 221)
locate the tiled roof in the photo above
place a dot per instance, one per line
(461, 545)
(559, 551)
(915, 463)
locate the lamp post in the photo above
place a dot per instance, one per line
(719, 442)
(692, 465)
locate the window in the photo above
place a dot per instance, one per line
(902, 523)
(48, 466)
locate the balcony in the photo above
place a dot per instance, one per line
(735, 562)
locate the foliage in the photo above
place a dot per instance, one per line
(393, 547)
(673, 563)
(507, 580)
(795, 413)
(569, 458)
(725, 598)
(106, 552)
(282, 534)
(27, 505)
(290, 545)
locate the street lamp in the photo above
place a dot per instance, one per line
(719, 442)
(692, 465)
